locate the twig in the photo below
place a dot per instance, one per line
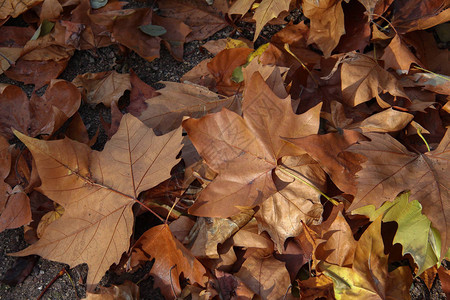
(63, 270)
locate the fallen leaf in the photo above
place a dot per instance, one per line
(363, 79)
(12, 41)
(176, 100)
(408, 216)
(126, 291)
(265, 276)
(14, 8)
(223, 65)
(327, 23)
(97, 192)
(171, 260)
(140, 91)
(295, 203)
(103, 87)
(369, 277)
(266, 11)
(390, 169)
(39, 115)
(398, 57)
(388, 120)
(325, 150)
(357, 28)
(228, 142)
(204, 20)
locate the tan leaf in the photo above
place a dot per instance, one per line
(282, 214)
(165, 112)
(103, 87)
(363, 79)
(244, 151)
(398, 57)
(126, 291)
(14, 8)
(390, 169)
(266, 277)
(325, 150)
(389, 120)
(171, 260)
(268, 10)
(97, 190)
(327, 23)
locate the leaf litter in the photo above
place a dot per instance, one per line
(318, 150)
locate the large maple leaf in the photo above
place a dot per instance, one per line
(97, 191)
(244, 151)
(390, 169)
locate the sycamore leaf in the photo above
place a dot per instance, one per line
(165, 112)
(327, 23)
(369, 277)
(128, 290)
(390, 169)
(140, 92)
(14, 8)
(268, 10)
(425, 246)
(39, 115)
(265, 276)
(172, 260)
(97, 191)
(282, 214)
(325, 150)
(363, 79)
(103, 87)
(244, 151)
(398, 57)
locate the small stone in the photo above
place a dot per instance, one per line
(41, 272)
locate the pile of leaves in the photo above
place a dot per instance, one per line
(314, 166)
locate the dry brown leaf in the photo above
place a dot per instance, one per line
(398, 57)
(171, 260)
(327, 23)
(204, 20)
(12, 41)
(165, 112)
(14, 8)
(103, 87)
(36, 72)
(357, 28)
(265, 276)
(244, 151)
(140, 91)
(268, 10)
(223, 65)
(390, 169)
(389, 120)
(126, 291)
(39, 115)
(126, 31)
(97, 191)
(283, 213)
(326, 148)
(363, 79)
(369, 277)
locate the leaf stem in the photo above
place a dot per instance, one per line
(431, 72)
(419, 132)
(288, 172)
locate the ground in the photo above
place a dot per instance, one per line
(165, 68)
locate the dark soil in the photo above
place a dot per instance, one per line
(71, 284)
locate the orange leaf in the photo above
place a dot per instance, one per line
(171, 260)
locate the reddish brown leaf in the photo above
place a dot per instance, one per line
(223, 65)
(398, 57)
(171, 260)
(140, 92)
